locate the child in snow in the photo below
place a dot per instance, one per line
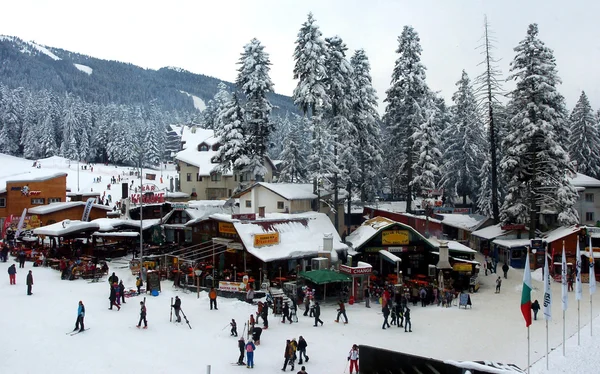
(80, 316)
(142, 316)
(250, 347)
(353, 358)
(498, 284)
(233, 327)
(241, 346)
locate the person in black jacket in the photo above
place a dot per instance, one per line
(265, 316)
(536, 308)
(302, 349)
(142, 316)
(113, 298)
(177, 307)
(242, 347)
(286, 313)
(113, 279)
(233, 325)
(505, 270)
(317, 313)
(407, 323)
(29, 283)
(122, 291)
(367, 297)
(386, 313)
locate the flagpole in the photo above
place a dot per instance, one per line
(578, 323)
(563, 334)
(528, 350)
(547, 348)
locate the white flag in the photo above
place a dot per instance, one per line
(592, 270)
(563, 278)
(578, 289)
(547, 291)
(21, 223)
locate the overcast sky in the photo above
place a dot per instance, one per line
(207, 36)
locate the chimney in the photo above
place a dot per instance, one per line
(327, 242)
(443, 263)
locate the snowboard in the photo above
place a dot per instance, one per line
(76, 332)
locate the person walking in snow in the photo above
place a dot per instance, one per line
(288, 356)
(341, 312)
(399, 315)
(302, 344)
(242, 348)
(138, 284)
(29, 283)
(306, 304)
(423, 296)
(113, 298)
(302, 370)
(177, 307)
(117, 294)
(367, 294)
(212, 295)
(536, 308)
(80, 316)
(286, 313)
(12, 274)
(386, 313)
(498, 284)
(233, 327)
(250, 348)
(265, 316)
(407, 323)
(312, 306)
(505, 270)
(317, 314)
(142, 316)
(353, 358)
(22, 258)
(113, 279)
(122, 290)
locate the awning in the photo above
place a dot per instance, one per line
(324, 276)
(389, 257)
(116, 234)
(586, 254)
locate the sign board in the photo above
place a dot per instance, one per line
(244, 217)
(537, 244)
(179, 206)
(29, 223)
(397, 249)
(394, 237)
(261, 240)
(451, 210)
(227, 228)
(464, 267)
(516, 226)
(232, 286)
(148, 198)
(153, 278)
(355, 271)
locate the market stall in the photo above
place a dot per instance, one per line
(323, 278)
(360, 278)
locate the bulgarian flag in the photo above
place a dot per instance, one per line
(526, 294)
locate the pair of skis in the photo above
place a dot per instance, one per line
(76, 332)
(182, 313)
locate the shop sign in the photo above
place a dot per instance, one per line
(261, 240)
(179, 206)
(394, 237)
(153, 198)
(227, 228)
(464, 267)
(517, 226)
(397, 249)
(450, 210)
(29, 223)
(373, 249)
(355, 271)
(232, 286)
(537, 244)
(244, 217)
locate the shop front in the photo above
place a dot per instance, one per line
(359, 276)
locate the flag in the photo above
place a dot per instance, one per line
(547, 292)
(563, 279)
(526, 294)
(592, 270)
(578, 290)
(88, 208)
(21, 223)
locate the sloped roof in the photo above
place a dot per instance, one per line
(490, 232)
(190, 154)
(289, 191)
(56, 207)
(582, 180)
(324, 276)
(66, 227)
(466, 222)
(560, 233)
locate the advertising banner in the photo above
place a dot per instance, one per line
(261, 240)
(395, 237)
(227, 228)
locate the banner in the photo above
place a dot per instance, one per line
(226, 228)
(88, 208)
(266, 239)
(578, 290)
(592, 270)
(21, 222)
(547, 291)
(394, 237)
(563, 280)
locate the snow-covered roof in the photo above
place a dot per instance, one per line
(83, 194)
(466, 222)
(297, 239)
(33, 175)
(458, 259)
(453, 246)
(390, 256)
(490, 232)
(56, 207)
(127, 234)
(289, 191)
(112, 224)
(190, 154)
(367, 230)
(512, 243)
(65, 227)
(582, 180)
(560, 233)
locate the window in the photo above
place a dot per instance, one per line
(53, 200)
(280, 205)
(235, 177)
(189, 177)
(215, 177)
(248, 203)
(203, 148)
(37, 201)
(589, 216)
(589, 197)
(198, 177)
(245, 177)
(2, 202)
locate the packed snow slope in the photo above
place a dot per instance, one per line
(34, 338)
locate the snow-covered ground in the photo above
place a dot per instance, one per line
(198, 102)
(84, 68)
(34, 336)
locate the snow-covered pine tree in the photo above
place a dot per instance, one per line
(220, 100)
(320, 159)
(584, 143)
(535, 164)
(209, 115)
(466, 148)
(426, 143)
(293, 160)
(231, 155)
(484, 198)
(366, 119)
(441, 121)
(405, 112)
(154, 136)
(9, 121)
(71, 128)
(254, 81)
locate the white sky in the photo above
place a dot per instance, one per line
(207, 36)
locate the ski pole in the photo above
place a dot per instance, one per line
(224, 327)
(346, 367)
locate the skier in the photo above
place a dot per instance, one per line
(250, 347)
(317, 313)
(341, 312)
(367, 298)
(498, 284)
(29, 283)
(386, 313)
(536, 308)
(265, 316)
(213, 298)
(12, 274)
(142, 316)
(353, 358)
(113, 298)
(122, 290)
(286, 313)
(233, 327)
(138, 284)
(177, 307)
(407, 323)
(80, 316)
(256, 333)
(288, 356)
(505, 270)
(241, 346)
(302, 344)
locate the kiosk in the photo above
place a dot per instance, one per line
(359, 274)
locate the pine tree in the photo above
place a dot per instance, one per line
(70, 127)
(254, 81)
(584, 143)
(231, 155)
(535, 164)
(407, 102)
(426, 143)
(220, 100)
(293, 160)
(466, 145)
(365, 117)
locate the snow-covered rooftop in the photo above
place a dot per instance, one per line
(512, 243)
(190, 153)
(177, 195)
(55, 207)
(8, 174)
(289, 191)
(453, 246)
(296, 239)
(490, 232)
(65, 227)
(582, 180)
(560, 233)
(466, 222)
(367, 230)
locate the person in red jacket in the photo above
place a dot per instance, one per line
(341, 312)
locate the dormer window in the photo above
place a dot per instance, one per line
(203, 147)
(216, 147)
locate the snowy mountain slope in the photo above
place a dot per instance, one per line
(31, 47)
(198, 102)
(86, 69)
